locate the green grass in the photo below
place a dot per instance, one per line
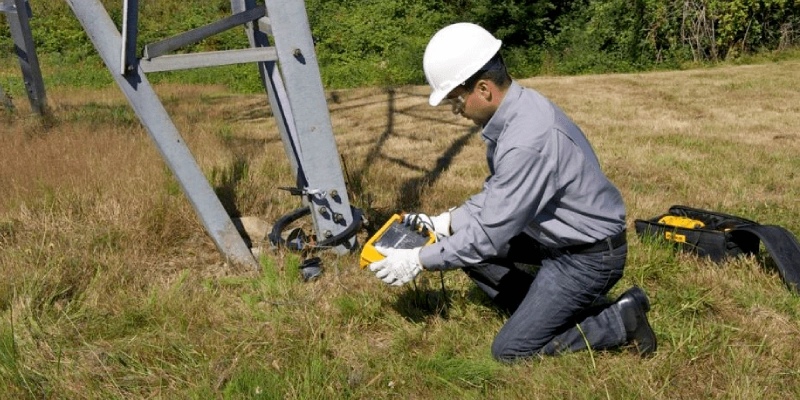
(110, 287)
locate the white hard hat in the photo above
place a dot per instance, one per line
(454, 54)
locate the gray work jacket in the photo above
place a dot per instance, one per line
(545, 181)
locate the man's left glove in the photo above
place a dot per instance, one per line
(399, 267)
(439, 224)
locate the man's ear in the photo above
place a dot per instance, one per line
(484, 90)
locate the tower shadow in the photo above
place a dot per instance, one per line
(408, 195)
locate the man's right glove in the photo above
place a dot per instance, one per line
(440, 224)
(399, 267)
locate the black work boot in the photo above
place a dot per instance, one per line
(633, 306)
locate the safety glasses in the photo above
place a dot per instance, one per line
(457, 103)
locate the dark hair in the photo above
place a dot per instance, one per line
(494, 70)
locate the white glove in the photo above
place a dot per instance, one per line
(399, 267)
(440, 224)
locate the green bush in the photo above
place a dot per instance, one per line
(374, 42)
(371, 42)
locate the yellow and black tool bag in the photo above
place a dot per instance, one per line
(719, 236)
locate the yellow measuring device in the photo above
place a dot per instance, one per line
(681, 222)
(395, 234)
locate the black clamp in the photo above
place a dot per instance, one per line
(297, 238)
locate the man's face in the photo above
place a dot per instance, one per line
(468, 104)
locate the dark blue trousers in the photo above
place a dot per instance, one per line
(561, 307)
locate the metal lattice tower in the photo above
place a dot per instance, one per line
(291, 78)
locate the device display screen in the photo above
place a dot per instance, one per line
(399, 236)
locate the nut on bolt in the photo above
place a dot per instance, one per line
(323, 210)
(338, 217)
(328, 234)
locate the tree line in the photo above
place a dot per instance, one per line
(381, 42)
(564, 37)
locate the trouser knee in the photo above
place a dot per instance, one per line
(505, 351)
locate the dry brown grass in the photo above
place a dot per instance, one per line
(110, 288)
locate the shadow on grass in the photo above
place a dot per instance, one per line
(419, 304)
(225, 181)
(408, 196)
(422, 302)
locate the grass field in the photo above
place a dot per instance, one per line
(110, 288)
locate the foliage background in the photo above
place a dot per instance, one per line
(381, 42)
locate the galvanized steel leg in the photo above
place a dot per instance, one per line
(315, 146)
(130, 31)
(107, 40)
(276, 92)
(18, 14)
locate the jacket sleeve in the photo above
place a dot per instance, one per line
(523, 182)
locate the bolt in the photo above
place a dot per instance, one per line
(337, 217)
(328, 234)
(297, 53)
(334, 193)
(323, 210)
